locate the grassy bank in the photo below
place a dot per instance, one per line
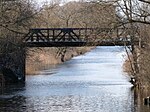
(42, 58)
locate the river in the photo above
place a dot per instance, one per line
(93, 82)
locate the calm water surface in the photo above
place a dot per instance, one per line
(93, 82)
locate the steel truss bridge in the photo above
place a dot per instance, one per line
(73, 37)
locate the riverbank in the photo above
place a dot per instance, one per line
(138, 66)
(39, 59)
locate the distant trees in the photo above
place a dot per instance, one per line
(78, 14)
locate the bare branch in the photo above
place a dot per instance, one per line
(139, 21)
(145, 1)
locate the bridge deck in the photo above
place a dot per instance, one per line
(76, 44)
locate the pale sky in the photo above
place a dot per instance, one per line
(41, 1)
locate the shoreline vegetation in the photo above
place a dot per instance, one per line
(47, 57)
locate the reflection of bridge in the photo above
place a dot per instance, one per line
(71, 37)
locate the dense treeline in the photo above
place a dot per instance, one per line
(78, 14)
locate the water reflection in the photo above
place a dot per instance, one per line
(12, 103)
(139, 95)
(93, 82)
(84, 102)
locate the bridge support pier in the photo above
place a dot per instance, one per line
(12, 67)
